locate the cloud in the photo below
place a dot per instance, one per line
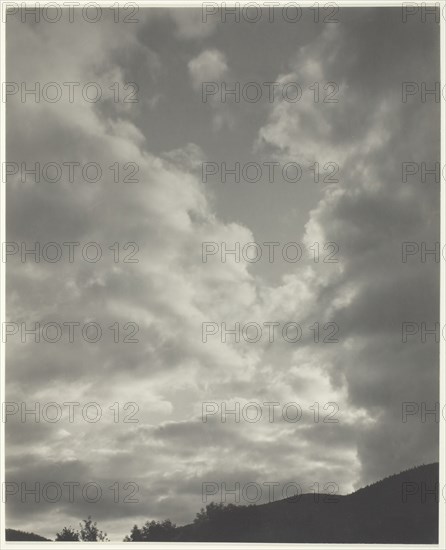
(370, 213)
(190, 24)
(209, 66)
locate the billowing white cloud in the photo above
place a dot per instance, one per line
(369, 213)
(209, 66)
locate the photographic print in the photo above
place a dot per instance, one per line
(221, 264)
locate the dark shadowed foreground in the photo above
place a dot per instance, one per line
(14, 534)
(401, 509)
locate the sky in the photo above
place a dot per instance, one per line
(170, 134)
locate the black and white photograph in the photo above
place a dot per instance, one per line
(222, 274)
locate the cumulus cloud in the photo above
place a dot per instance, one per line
(370, 213)
(208, 69)
(210, 65)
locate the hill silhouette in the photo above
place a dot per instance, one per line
(400, 509)
(14, 535)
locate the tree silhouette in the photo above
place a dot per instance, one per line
(67, 534)
(90, 533)
(153, 531)
(135, 535)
